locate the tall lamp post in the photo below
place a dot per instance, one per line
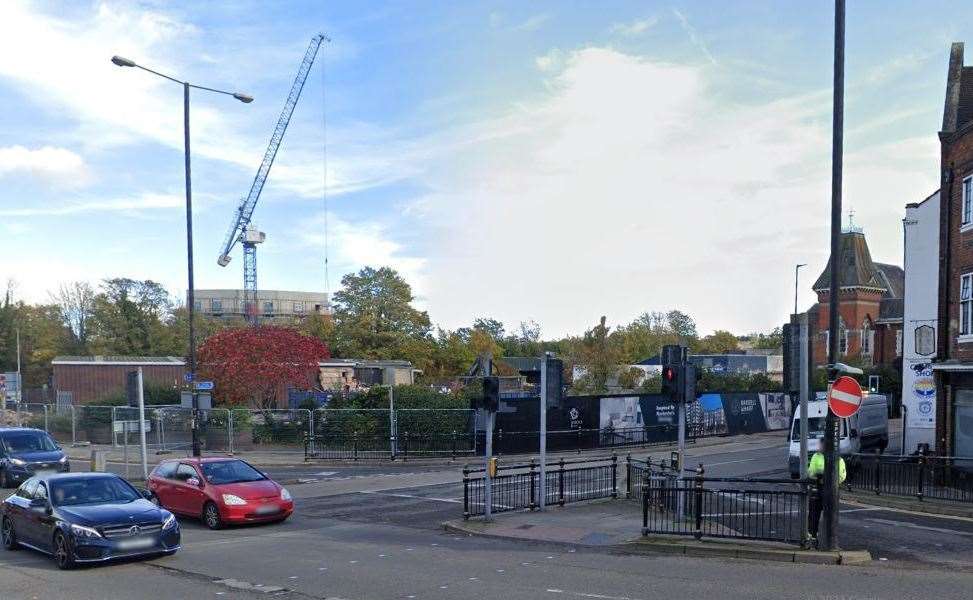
(124, 62)
(797, 269)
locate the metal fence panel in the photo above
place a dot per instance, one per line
(921, 477)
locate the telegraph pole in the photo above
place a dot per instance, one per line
(829, 528)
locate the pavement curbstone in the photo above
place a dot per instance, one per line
(908, 505)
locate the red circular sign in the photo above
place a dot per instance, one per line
(844, 397)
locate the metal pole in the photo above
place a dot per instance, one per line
(392, 422)
(125, 447)
(797, 274)
(542, 487)
(18, 398)
(189, 257)
(829, 511)
(488, 453)
(805, 391)
(681, 406)
(145, 464)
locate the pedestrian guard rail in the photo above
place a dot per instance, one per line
(516, 486)
(924, 477)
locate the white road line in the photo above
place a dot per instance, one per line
(852, 510)
(429, 498)
(733, 462)
(587, 595)
(922, 527)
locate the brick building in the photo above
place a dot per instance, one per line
(88, 379)
(869, 306)
(953, 366)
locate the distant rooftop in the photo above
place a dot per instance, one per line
(118, 360)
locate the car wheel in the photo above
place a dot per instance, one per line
(62, 552)
(7, 535)
(211, 516)
(4, 479)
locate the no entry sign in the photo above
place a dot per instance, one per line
(844, 397)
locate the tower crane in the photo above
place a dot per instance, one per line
(241, 230)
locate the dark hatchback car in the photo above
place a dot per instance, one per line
(25, 452)
(84, 518)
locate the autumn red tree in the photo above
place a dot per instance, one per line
(252, 365)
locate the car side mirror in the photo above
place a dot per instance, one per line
(194, 481)
(146, 493)
(39, 504)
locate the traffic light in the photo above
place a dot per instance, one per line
(670, 382)
(555, 376)
(491, 394)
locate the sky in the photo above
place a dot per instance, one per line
(551, 161)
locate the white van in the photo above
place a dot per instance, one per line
(866, 429)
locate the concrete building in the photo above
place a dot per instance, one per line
(921, 235)
(953, 366)
(88, 379)
(349, 374)
(271, 304)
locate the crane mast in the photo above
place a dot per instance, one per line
(241, 229)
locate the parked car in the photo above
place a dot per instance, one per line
(219, 491)
(24, 452)
(867, 429)
(86, 517)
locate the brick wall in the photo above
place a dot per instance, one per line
(957, 155)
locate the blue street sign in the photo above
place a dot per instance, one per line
(204, 385)
(189, 377)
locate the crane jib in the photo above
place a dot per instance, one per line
(249, 203)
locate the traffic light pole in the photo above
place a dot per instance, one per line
(542, 482)
(829, 504)
(488, 452)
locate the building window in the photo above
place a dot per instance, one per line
(843, 341)
(268, 308)
(867, 334)
(965, 304)
(198, 305)
(216, 305)
(299, 307)
(968, 200)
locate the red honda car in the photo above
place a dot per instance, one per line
(220, 491)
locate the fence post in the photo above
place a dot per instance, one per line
(922, 475)
(560, 482)
(229, 429)
(628, 475)
(74, 436)
(878, 477)
(452, 454)
(466, 492)
(46, 427)
(310, 424)
(805, 535)
(114, 439)
(698, 509)
(20, 415)
(405, 446)
(533, 490)
(645, 513)
(614, 476)
(498, 447)
(579, 439)
(307, 441)
(354, 445)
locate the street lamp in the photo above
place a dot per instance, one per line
(246, 99)
(797, 269)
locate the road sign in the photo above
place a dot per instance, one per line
(188, 377)
(844, 397)
(203, 385)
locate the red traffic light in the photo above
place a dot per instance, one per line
(669, 373)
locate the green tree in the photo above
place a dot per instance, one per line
(128, 317)
(682, 325)
(374, 316)
(598, 357)
(718, 342)
(768, 341)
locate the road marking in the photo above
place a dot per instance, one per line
(853, 510)
(586, 595)
(430, 498)
(922, 527)
(733, 462)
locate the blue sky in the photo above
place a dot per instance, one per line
(553, 161)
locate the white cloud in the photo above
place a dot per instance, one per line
(631, 186)
(636, 27)
(693, 35)
(532, 23)
(550, 61)
(58, 166)
(130, 205)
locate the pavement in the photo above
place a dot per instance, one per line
(378, 534)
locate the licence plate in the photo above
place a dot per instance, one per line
(267, 510)
(136, 544)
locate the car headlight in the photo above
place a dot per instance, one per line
(231, 500)
(85, 532)
(284, 494)
(63, 459)
(17, 461)
(170, 522)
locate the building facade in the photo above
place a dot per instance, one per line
(89, 379)
(919, 322)
(271, 304)
(953, 367)
(870, 304)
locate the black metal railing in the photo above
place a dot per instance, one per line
(923, 477)
(381, 445)
(726, 507)
(642, 474)
(578, 439)
(515, 487)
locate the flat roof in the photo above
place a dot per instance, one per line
(174, 361)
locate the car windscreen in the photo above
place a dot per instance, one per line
(230, 471)
(17, 442)
(94, 490)
(815, 428)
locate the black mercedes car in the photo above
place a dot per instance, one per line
(25, 452)
(86, 517)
